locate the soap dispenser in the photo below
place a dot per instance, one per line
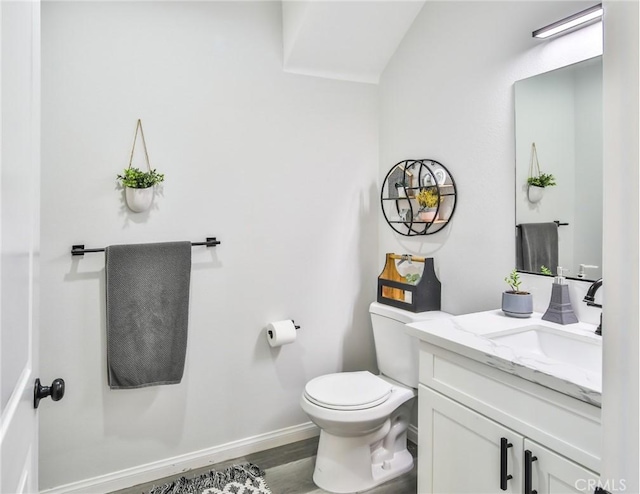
(560, 310)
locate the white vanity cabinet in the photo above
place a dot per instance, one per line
(484, 430)
(552, 473)
(461, 451)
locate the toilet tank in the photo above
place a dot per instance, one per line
(396, 351)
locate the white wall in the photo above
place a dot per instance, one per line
(620, 457)
(448, 95)
(281, 168)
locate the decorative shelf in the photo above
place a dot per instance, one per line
(400, 206)
(435, 222)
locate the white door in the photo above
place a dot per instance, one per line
(19, 229)
(463, 452)
(555, 474)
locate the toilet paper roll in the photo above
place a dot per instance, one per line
(281, 332)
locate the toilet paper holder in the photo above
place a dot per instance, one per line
(270, 333)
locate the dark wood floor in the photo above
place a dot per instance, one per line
(289, 470)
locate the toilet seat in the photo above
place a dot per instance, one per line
(348, 391)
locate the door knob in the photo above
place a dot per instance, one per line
(56, 391)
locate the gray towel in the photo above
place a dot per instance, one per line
(147, 313)
(539, 243)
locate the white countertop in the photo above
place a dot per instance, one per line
(465, 335)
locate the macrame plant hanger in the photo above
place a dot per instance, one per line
(139, 200)
(534, 165)
(534, 194)
(144, 145)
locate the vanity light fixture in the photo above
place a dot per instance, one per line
(575, 21)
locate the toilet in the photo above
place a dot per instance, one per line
(363, 417)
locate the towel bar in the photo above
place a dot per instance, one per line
(79, 250)
(556, 222)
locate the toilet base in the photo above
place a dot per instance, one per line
(346, 465)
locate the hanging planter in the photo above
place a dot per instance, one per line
(139, 186)
(139, 200)
(534, 193)
(537, 181)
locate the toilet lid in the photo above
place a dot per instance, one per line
(348, 390)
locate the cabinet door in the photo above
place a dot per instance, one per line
(461, 451)
(555, 474)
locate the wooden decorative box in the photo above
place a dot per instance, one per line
(394, 290)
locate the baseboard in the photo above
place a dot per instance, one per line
(412, 434)
(179, 464)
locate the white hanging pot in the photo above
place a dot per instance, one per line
(139, 200)
(535, 193)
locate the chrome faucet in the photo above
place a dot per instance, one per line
(590, 299)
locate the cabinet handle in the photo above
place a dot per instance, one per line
(504, 476)
(528, 461)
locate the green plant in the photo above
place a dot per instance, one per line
(545, 270)
(137, 179)
(542, 180)
(428, 197)
(412, 278)
(513, 280)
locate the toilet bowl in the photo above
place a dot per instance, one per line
(363, 418)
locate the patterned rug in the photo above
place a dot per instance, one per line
(237, 479)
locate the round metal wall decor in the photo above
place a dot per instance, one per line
(418, 197)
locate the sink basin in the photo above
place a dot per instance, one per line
(559, 346)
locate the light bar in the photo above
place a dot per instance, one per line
(581, 19)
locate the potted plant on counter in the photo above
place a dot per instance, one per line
(515, 302)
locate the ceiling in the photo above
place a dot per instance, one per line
(347, 40)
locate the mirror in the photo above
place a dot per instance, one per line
(561, 112)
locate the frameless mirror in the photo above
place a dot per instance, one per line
(559, 127)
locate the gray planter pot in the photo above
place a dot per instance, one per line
(517, 304)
